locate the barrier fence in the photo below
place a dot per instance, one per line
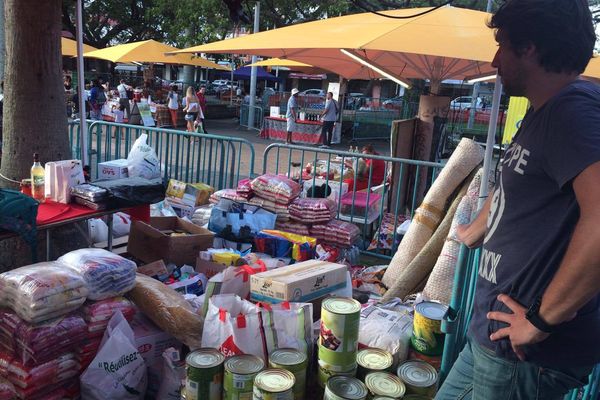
(390, 188)
(258, 116)
(219, 161)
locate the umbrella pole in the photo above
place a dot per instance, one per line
(81, 83)
(253, 71)
(489, 145)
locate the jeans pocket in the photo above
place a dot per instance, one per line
(554, 384)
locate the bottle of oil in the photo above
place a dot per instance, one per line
(37, 179)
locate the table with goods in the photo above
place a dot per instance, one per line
(307, 129)
(253, 292)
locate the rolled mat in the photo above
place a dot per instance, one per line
(465, 158)
(411, 278)
(439, 284)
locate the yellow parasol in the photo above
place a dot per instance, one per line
(150, 51)
(69, 47)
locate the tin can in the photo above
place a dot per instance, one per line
(338, 338)
(427, 335)
(204, 375)
(294, 361)
(434, 361)
(384, 398)
(385, 384)
(273, 384)
(345, 388)
(240, 372)
(327, 371)
(372, 360)
(419, 377)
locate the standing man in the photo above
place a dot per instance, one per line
(535, 327)
(202, 100)
(97, 100)
(123, 88)
(292, 114)
(328, 117)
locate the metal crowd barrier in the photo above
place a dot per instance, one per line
(219, 161)
(258, 116)
(398, 195)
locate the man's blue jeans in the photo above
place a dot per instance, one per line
(478, 374)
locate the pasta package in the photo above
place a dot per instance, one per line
(168, 309)
(105, 274)
(42, 291)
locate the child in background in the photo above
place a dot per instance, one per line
(118, 113)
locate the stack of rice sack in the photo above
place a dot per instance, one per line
(244, 189)
(229, 194)
(41, 359)
(337, 233)
(293, 227)
(96, 315)
(312, 211)
(275, 193)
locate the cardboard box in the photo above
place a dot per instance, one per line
(156, 268)
(191, 194)
(209, 268)
(305, 281)
(154, 241)
(115, 169)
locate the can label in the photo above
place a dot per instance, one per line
(325, 372)
(238, 386)
(203, 390)
(338, 337)
(259, 394)
(427, 335)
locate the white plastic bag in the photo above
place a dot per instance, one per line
(235, 326)
(142, 160)
(173, 372)
(121, 224)
(118, 371)
(98, 230)
(292, 323)
(386, 329)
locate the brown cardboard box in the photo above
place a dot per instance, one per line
(209, 268)
(151, 242)
(155, 268)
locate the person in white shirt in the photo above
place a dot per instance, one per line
(118, 113)
(123, 88)
(173, 104)
(192, 106)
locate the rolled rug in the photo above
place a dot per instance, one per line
(439, 284)
(413, 276)
(465, 158)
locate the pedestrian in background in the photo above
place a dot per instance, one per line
(328, 118)
(173, 104)
(124, 89)
(291, 114)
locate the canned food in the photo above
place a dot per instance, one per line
(373, 360)
(419, 377)
(384, 398)
(326, 371)
(294, 361)
(345, 388)
(240, 372)
(385, 384)
(338, 338)
(273, 384)
(427, 335)
(434, 361)
(204, 375)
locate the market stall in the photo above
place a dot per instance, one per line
(307, 132)
(162, 116)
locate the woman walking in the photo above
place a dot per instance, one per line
(192, 105)
(173, 105)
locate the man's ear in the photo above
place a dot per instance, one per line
(527, 50)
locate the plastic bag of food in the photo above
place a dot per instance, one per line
(42, 291)
(118, 371)
(106, 274)
(142, 159)
(173, 372)
(386, 329)
(7, 390)
(37, 344)
(98, 313)
(168, 309)
(276, 188)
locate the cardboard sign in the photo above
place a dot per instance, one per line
(145, 113)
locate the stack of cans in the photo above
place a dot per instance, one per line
(204, 375)
(240, 371)
(338, 338)
(420, 378)
(427, 341)
(294, 361)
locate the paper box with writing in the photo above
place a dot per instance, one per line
(115, 169)
(305, 281)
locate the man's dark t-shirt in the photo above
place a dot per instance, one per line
(532, 218)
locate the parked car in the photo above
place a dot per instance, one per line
(220, 82)
(394, 102)
(313, 92)
(465, 102)
(355, 100)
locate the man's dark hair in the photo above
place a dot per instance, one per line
(561, 31)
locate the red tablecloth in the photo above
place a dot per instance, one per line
(307, 132)
(49, 212)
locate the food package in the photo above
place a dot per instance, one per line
(312, 211)
(118, 371)
(386, 329)
(98, 313)
(42, 291)
(340, 233)
(106, 274)
(277, 188)
(168, 309)
(7, 390)
(229, 194)
(89, 192)
(36, 344)
(173, 373)
(31, 382)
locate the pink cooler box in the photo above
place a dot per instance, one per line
(360, 203)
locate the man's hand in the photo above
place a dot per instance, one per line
(520, 331)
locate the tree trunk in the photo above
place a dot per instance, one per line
(34, 100)
(2, 52)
